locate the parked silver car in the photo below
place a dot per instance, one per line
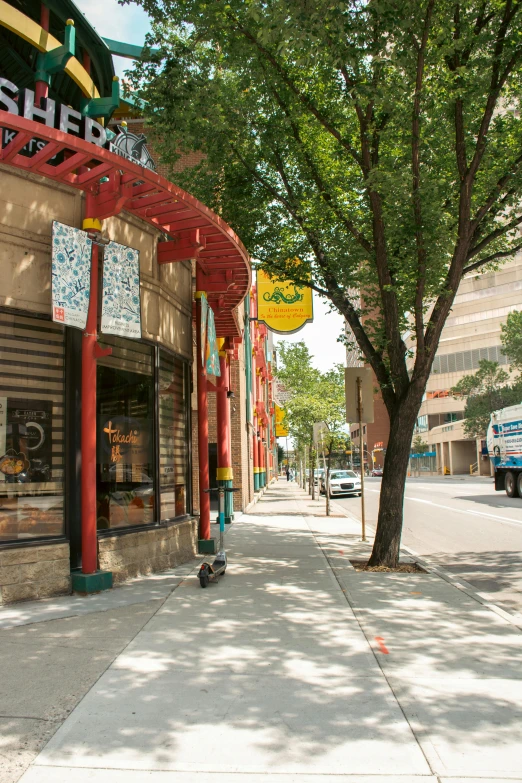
(342, 482)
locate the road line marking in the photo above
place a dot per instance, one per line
(462, 510)
(493, 516)
(382, 646)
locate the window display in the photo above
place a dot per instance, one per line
(31, 428)
(125, 435)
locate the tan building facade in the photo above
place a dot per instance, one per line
(472, 332)
(38, 383)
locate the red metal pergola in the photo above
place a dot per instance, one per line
(190, 231)
(193, 230)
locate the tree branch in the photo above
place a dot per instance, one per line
(496, 83)
(494, 235)
(304, 99)
(319, 182)
(488, 259)
(479, 215)
(416, 184)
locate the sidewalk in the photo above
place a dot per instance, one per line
(296, 669)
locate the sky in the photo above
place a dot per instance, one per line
(321, 336)
(130, 24)
(127, 23)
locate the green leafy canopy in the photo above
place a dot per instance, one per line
(313, 396)
(378, 141)
(486, 391)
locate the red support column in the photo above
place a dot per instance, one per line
(88, 415)
(204, 481)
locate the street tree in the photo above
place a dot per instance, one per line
(419, 445)
(486, 391)
(314, 397)
(368, 150)
(511, 338)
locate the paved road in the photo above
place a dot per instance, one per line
(464, 526)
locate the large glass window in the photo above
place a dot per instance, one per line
(173, 436)
(125, 436)
(31, 428)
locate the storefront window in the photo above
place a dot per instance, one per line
(173, 440)
(31, 428)
(125, 436)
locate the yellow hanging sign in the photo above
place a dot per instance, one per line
(283, 306)
(281, 428)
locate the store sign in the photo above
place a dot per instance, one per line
(68, 120)
(132, 146)
(71, 275)
(121, 308)
(283, 306)
(124, 441)
(281, 427)
(281, 395)
(60, 116)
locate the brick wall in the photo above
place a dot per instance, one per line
(138, 126)
(34, 572)
(148, 551)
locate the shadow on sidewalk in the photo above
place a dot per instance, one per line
(268, 670)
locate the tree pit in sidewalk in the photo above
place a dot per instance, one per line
(402, 568)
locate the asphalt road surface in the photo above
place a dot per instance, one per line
(464, 526)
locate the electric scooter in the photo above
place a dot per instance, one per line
(219, 566)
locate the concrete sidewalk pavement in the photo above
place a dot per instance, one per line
(296, 668)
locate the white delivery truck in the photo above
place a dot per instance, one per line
(504, 441)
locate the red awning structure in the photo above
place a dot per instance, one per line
(191, 229)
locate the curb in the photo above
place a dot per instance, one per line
(455, 581)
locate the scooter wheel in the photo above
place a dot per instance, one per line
(203, 581)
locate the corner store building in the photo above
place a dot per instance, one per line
(142, 513)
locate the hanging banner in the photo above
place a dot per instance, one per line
(121, 310)
(70, 274)
(283, 306)
(281, 427)
(203, 335)
(213, 367)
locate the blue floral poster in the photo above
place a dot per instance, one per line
(70, 274)
(121, 311)
(212, 348)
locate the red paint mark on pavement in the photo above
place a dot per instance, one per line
(382, 646)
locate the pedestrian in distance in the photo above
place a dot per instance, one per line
(288, 474)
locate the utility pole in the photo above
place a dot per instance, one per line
(361, 442)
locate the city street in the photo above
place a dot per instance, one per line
(463, 525)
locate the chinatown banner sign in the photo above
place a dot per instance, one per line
(203, 334)
(70, 274)
(281, 427)
(283, 306)
(121, 310)
(212, 354)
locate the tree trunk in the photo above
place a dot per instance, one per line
(389, 524)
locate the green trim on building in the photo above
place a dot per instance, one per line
(90, 583)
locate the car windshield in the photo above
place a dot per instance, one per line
(343, 474)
